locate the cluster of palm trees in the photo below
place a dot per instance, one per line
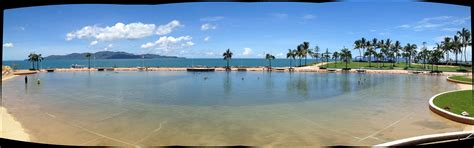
(455, 45)
(34, 58)
(382, 51)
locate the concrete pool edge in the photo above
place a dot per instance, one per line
(458, 81)
(428, 139)
(449, 115)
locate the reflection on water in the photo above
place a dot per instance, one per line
(225, 108)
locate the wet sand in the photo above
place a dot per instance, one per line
(10, 128)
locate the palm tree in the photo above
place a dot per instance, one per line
(446, 44)
(387, 47)
(456, 46)
(305, 51)
(38, 59)
(290, 55)
(227, 56)
(424, 54)
(435, 57)
(358, 45)
(370, 51)
(269, 57)
(32, 59)
(300, 53)
(396, 50)
(335, 56)
(326, 55)
(315, 53)
(465, 34)
(88, 56)
(346, 55)
(409, 49)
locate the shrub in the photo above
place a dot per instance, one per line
(461, 70)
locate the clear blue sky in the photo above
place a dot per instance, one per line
(205, 30)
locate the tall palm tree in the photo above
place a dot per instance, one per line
(456, 46)
(305, 51)
(88, 56)
(32, 59)
(465, 34)
(387, 47)
(346, 55)
(370, 51)
(335, 56)
(435, 56)
(363, 42)
(290, 55)
(396, 50)
(269, 57)
(38, 59)
(315, 53)
(358, 45)
(446, 44)
(227, 56)
(423, 55)
(409, 49)
(326, 55)
(300, 53)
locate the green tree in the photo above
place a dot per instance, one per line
(88, 56)
(291, 55)
(335, 56)
(269, 57)
(410, 49)
(446, 44)
(465, 35)
(346, 55)
(227, 56)
(32, 59)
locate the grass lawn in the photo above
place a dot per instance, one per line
(461, 78)
(388, 66)
(457, 102)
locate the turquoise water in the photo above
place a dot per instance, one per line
(156, 62)
(224, 108)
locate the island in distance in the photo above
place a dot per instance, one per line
(107, 55)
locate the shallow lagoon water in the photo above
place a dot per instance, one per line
(225, 108)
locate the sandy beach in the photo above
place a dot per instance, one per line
(10, 128)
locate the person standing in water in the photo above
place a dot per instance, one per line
(38, 81)
(26, 79)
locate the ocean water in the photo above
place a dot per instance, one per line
(225, 108)
(157, 62)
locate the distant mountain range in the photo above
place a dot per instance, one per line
(107, 55)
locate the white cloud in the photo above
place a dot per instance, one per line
(8, 45)
(118, 31)
(432, 23)
(208, 26)
(247, 52)
(309, 16)
(279, 15)
(108, 47)
(280, 55)
(94, 42)
(209, 53)
(450, 29)
(212, 18)
(372, 30)
(404, 26)
(168, 42)
(207, 38)
(383, 33)
(168, 28)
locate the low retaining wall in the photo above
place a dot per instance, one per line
(427, 139)
(447, 114)
(457, 81)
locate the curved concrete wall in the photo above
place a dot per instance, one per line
(456, 81)
(427, 139)
(449, 115)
